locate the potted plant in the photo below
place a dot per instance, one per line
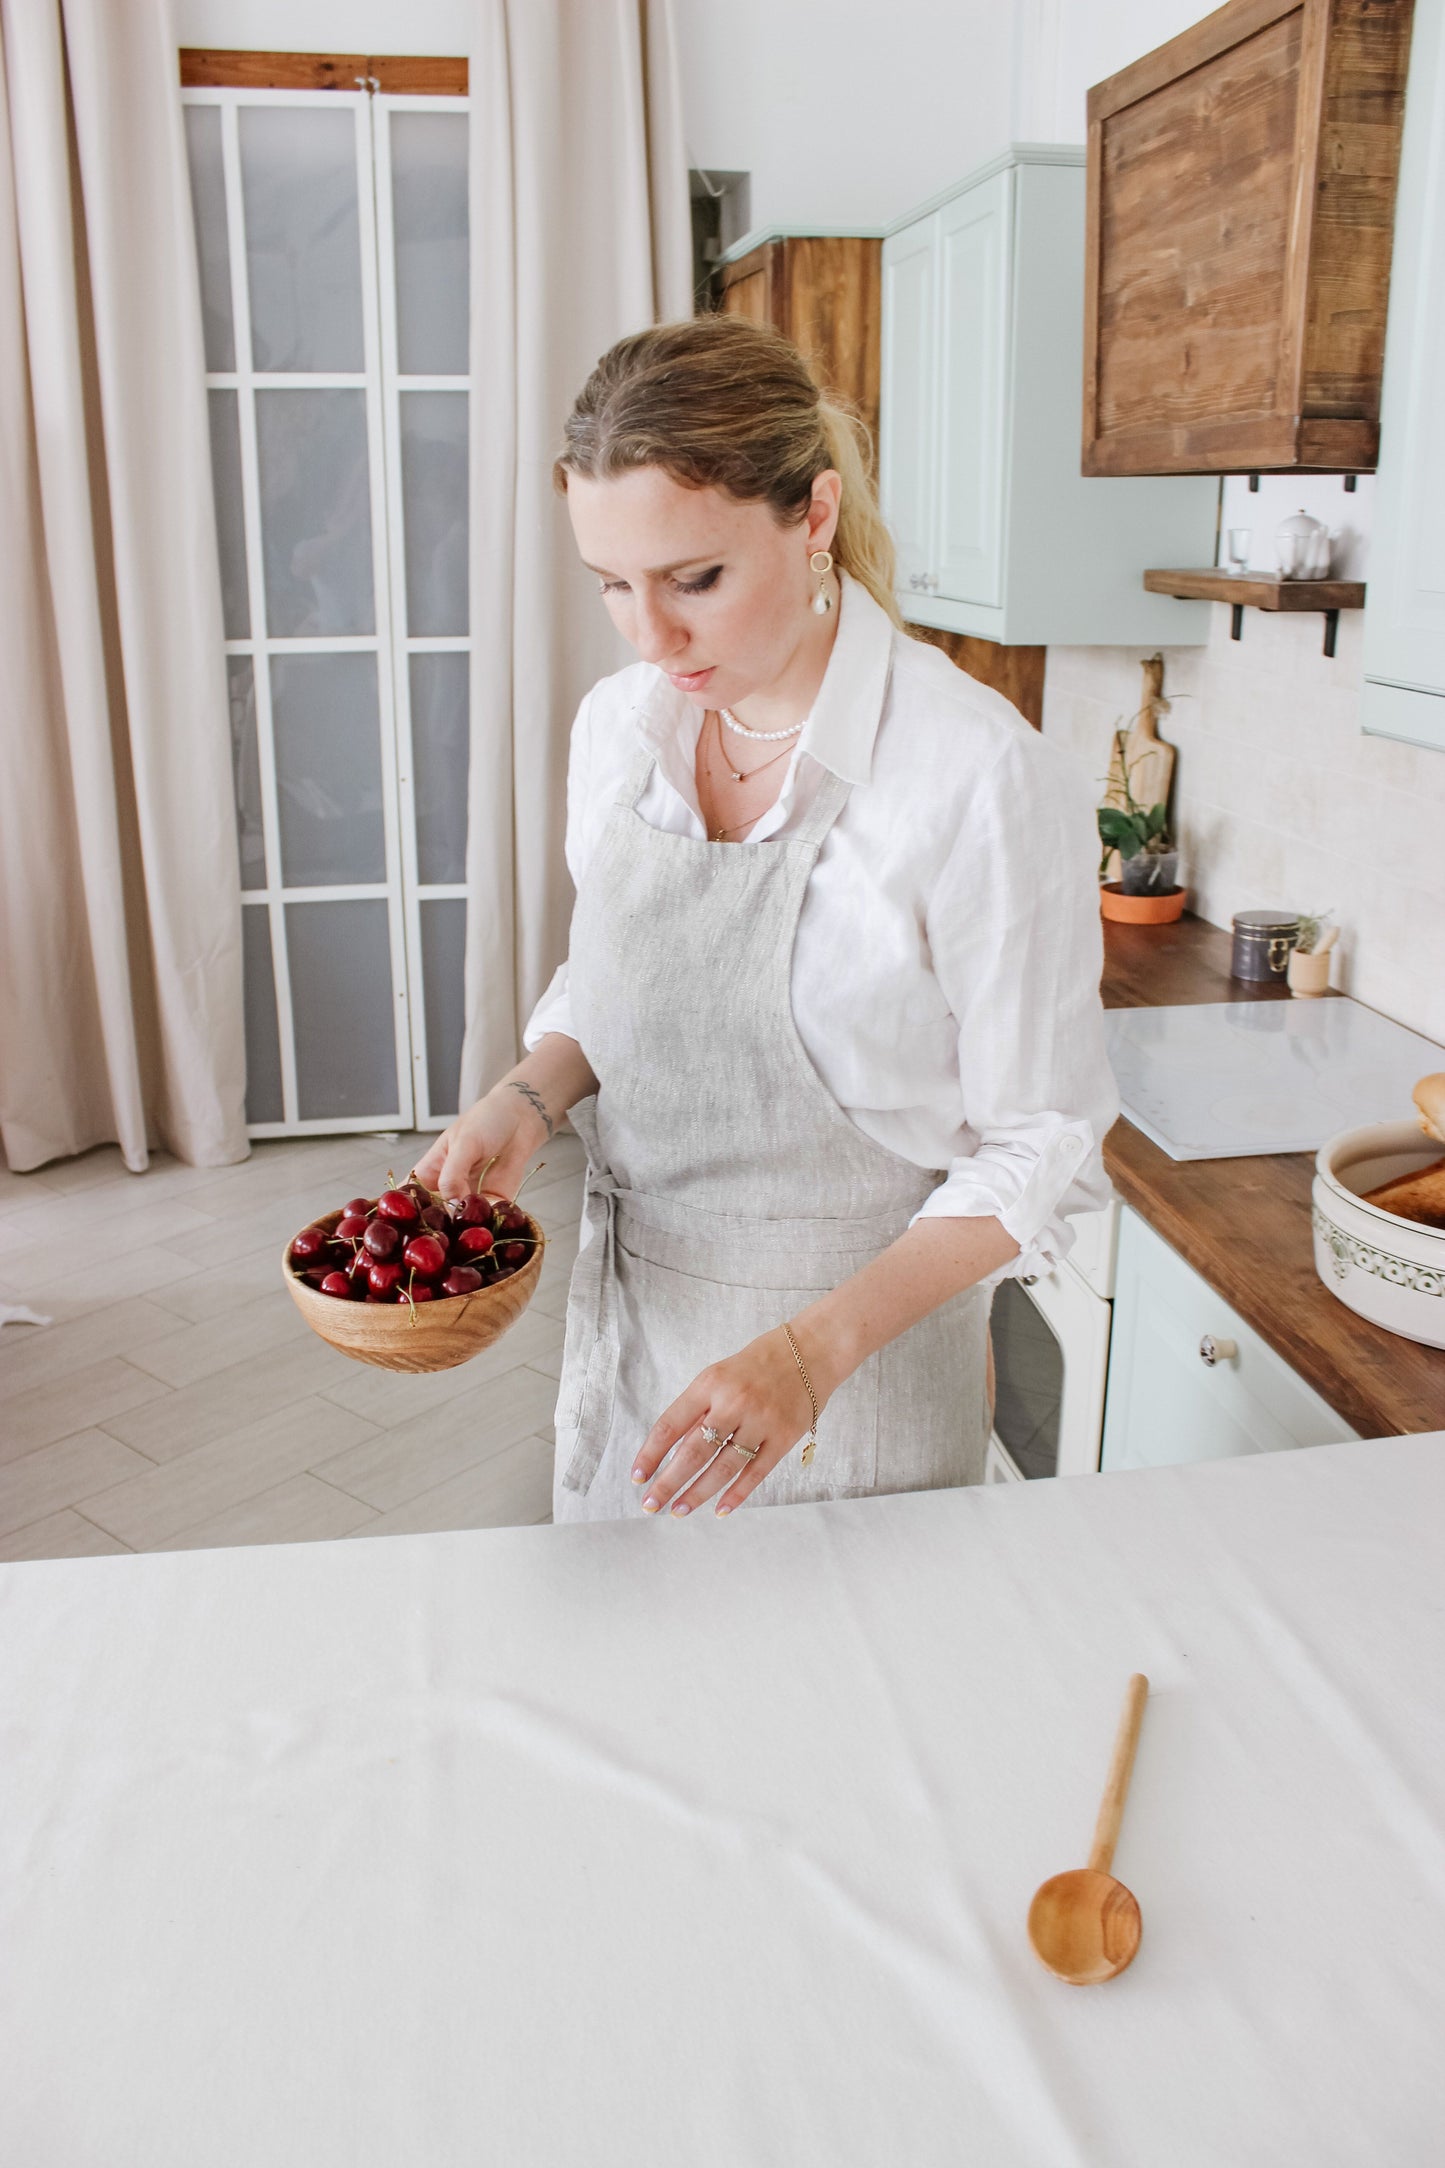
(1146, 891)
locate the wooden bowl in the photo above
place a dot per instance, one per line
(1141, 910)
(435, 1335)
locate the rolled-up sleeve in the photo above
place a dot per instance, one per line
(1013, 927)
(554, 1011)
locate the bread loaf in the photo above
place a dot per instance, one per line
(1419, 1196)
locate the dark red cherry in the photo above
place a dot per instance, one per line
(382, 1239)
(308, 1245)
(351, 1227)
(396, 1204)
(513, 1254)
(422, 1293)
(473, 1242)
(359, 1208)
(336, 1283)
(384, 1275)
(461, 1280)
(470, 1211)
(425, 1253)
(436, 1217)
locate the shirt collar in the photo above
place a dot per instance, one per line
(841, 730)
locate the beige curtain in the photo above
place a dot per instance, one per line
(580, 233)
(120, 926)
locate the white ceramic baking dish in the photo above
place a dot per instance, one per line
(1390, 1270)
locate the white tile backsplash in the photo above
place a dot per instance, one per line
(1281, 799)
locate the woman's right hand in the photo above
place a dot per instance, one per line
(489, 1146)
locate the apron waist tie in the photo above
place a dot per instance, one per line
(594, 1285)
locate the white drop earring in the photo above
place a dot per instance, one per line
(821, 562)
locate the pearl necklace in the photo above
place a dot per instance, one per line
(743, 731)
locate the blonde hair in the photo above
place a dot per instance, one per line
(720, 403)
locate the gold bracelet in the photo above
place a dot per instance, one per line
(812, 1445)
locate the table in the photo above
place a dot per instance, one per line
(712, 1843)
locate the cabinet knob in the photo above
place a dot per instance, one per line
(916, 579)
(1212, 1351)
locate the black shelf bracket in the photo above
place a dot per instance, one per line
(1236, 620)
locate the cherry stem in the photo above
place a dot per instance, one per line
(526, 1178)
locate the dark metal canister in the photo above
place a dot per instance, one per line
(1262, 942)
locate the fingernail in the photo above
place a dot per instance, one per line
(650, 1505)
(723, 1512)
(639, 1475)
(679, 1509)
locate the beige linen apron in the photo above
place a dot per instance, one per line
(726, 1189)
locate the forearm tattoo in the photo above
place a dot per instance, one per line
(534, 1099)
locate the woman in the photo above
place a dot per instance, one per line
(829, 1026)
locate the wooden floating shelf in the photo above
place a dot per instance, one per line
(1260, 591)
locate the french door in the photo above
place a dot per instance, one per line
(331, 228)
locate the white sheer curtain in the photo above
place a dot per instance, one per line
(120, 927)
(580, 233)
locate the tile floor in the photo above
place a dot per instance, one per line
(177, 1400)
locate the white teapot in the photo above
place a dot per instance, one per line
(1302, 548)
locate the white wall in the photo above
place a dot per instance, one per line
(326, 26)
(845, 112)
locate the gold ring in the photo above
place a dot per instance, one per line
(710, 1436)
(749, 1452)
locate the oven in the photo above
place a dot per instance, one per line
(1051, 1360)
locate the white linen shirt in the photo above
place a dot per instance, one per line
(945, 975)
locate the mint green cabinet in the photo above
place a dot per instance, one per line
(998, 533)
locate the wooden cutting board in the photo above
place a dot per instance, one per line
(1150, 762)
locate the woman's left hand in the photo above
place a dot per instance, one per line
(759, 1397)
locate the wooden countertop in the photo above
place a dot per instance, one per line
(1244, 1224)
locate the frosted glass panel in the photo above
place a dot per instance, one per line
(315, 512)
(440, 757)
(246, 770)
(443, 951)
(434, 510)
(327, 733)
(303, 244)
(341, 1005)
(429, 214)
(263, 1044)
(230, 512)
(208, 212)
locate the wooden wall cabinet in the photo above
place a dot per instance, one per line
(820, 291)
(1240, 216)
(999, 536)
(1404, 689)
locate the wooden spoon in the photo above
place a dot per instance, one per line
(1083, 1924)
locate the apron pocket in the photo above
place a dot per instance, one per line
(672, 1324)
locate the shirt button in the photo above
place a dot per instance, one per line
(1070, 1147)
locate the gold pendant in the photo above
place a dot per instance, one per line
(810, 1448)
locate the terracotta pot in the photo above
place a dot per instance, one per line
(1141, 910)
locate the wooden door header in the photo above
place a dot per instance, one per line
(402, 75)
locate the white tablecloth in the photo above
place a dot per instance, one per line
(711, 1844)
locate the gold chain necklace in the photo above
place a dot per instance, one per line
(720, 835)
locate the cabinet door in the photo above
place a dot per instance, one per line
(1166, 1403)
(906, 419)
(1404, 692)
(973, 263)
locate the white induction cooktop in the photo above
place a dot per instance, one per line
(1228, 1079)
